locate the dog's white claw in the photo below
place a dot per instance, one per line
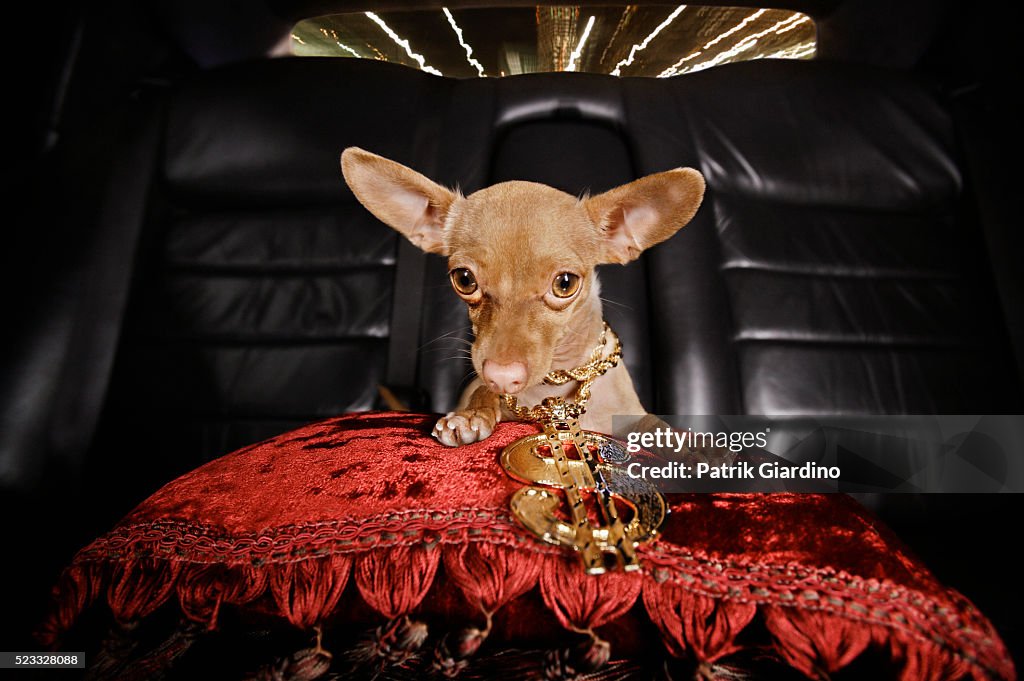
(455, 429)
(481, 427)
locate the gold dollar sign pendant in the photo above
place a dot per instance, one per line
(572, 467)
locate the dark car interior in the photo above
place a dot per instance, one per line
(187, 272)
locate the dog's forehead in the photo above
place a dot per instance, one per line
(519, 231)
(507, 213)
(517, 199)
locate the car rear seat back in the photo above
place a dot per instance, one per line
(838, 253)
(831, 269)
(263, 290)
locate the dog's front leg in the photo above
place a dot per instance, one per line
(473, 421)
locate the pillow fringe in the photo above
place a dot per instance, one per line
(696, 618)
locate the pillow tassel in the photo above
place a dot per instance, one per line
(928, 660)
(204, 588)
(584, 602)
(307, 591)
(306, 664)
(452, 653)
(694, 625)
(141, 585)
(393, 644)
(579, 661)
(395, 580)
(489, 576)
(121, 656)
(815, 642)
(77, 588)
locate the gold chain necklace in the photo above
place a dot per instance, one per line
(585, 374)
(596, 473)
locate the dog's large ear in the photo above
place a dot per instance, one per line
(400, 197)
(645, 212)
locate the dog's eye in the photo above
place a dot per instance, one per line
(565, 285)
(463, 281)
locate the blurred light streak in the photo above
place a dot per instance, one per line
(749, 42)
(646, 41)
(579, 47)
(404, 44)
(469, 50)
(798, 51)
(674, 69)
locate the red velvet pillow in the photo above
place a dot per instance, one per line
(365, 523)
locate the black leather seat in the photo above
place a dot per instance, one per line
(837, 268)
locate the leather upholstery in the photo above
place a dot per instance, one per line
(265, 290)
(843, 268)
(831, 269)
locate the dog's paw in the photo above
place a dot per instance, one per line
(463, 427)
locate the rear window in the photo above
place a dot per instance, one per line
(654, 41)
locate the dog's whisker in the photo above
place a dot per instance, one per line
(450, 333)
(465, 347)
(616, 303)
(455, 357)
(448, 336)
(468, 378)
(444, 348)
(446, 358)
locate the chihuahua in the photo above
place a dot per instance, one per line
(522, 256)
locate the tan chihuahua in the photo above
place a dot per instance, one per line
(522, 256)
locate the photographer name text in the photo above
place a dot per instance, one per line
(740, 470)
